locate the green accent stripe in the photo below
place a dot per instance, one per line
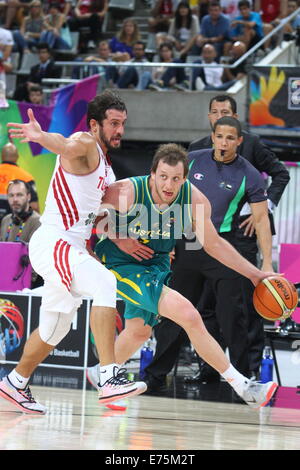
(191, 164)
(226, 225)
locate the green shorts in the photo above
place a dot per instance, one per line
(140, 287)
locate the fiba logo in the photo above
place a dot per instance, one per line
(11, 327)
(294, 93)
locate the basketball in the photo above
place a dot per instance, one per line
(275, 298)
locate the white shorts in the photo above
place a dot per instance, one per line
(69, 271)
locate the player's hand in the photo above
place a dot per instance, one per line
(249, 226)
(263, 275)
(30, 132)
(134, 248)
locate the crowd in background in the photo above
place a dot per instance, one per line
(209, 32)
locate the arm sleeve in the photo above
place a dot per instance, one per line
(266, 161)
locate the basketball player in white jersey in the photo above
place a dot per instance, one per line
(58, 250)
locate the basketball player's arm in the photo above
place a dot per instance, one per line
(216, 246)
(263, 232)
(80, 144)
(120, 196)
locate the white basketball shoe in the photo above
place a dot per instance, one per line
(21, 398)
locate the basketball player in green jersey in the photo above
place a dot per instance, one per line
(155, 210)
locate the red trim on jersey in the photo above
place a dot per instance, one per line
(61, 262)
(60, 207)
(64, 200)
(66, 187)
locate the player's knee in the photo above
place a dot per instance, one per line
(191, 319)
(141, 335)
(54, 327)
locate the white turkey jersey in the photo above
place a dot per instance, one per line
(73, 201)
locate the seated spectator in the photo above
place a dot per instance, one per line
(89, 13)
(237, 50)
(291, 26)
(131, 76)
(248, 26)
(22, 222)
(214, 29)
(183, 29)
(6, 45)
(162, 77)
(45, 69)
(9, 170)
(161, 14)
(15, 12)
(104, 55)
(53, 24)
(270, 9)
(65, 6)
(123, 42)
(36, 95)
(29, 34)
(209, 78)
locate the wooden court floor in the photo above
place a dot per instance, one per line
(76, 421)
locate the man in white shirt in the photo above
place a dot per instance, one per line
(209, 78)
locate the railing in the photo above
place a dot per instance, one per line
(189, 65)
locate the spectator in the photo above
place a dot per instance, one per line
(65, 6)
(36, 95)
(89, 13)
(209, 78)
(53, 24)
(161, 15)
(248, 26)
(238, 49)
(162, 77)
(28, 36)
(270, 9)
(9, 170)
(215, 29)
(183, 29)
(6, 45)
(45, 69)
(104, 55)
(123, 42)
(292, 6)
(15, 12)
(23, 221)
(131, 76)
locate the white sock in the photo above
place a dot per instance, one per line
(17, 380)
(106, 372)
(235, 379)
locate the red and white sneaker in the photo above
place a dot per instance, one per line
(21, 398)
(118, 386)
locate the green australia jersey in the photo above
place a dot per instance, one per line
(158, 229)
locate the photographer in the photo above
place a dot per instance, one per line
(23, 221)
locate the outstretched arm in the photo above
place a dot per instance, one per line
(218, 247)
(75, 146)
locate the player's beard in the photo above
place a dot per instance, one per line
(107, 142)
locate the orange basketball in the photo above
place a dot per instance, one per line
(275, 298)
